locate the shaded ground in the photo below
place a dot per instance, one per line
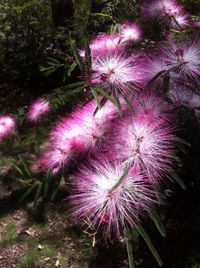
(54, 244)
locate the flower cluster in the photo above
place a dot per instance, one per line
(128, 147)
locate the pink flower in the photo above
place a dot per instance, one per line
(117, 73)
(180, 21)
(184, 58)
(105, 43)
(130, 32)
(157, 68)
(159, 8)
(79, 133)
(145, 140)
(38, 109)
(7, 126)
(181, 96)
(149, 106)
(95, 196)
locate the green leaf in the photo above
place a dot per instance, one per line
(178, 180)
(47, 182)
(88, 57)
(104, 93)
(157, 221)
(29, 190)
(18, 169)
(149, 243)
(71, 68)
(129, 247)
(38, 192)
(129, 104)
(114, 28)
(73, 85)
(25, 166)
(156, 77)
(102, 103)
(121, 179)
(77, 56)
(96, 98)
(118, 105)
(54, 193)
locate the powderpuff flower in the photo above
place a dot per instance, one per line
(38, 109)
(149, 106)
(117, 73)
(145, 143)
(7, 126)
(184, 59)
(181, 96)
(105, 43)
(156, 70)
(151, 9)
(130, 32)
(180, 21)
(98, 196)
(80, 133)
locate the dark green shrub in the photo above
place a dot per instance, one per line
(26, 30)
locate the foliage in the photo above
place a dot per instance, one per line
(26, 30)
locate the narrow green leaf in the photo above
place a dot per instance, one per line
(102, 103)
(38, 192)
(96, 98)
(104, 93)
(88, 56)
(71, 68)
(25, 165)
(157, 221)
(28, 191)
(178, 180)
(128, 102)
(54, 193)
(149, 243)
(47, 182)
(156, 77)
(102, 15)
(118, 105)
(55, 61)
(18, 169)
(129, 247)
(77, 56)
(76, 84)
(121, 179)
